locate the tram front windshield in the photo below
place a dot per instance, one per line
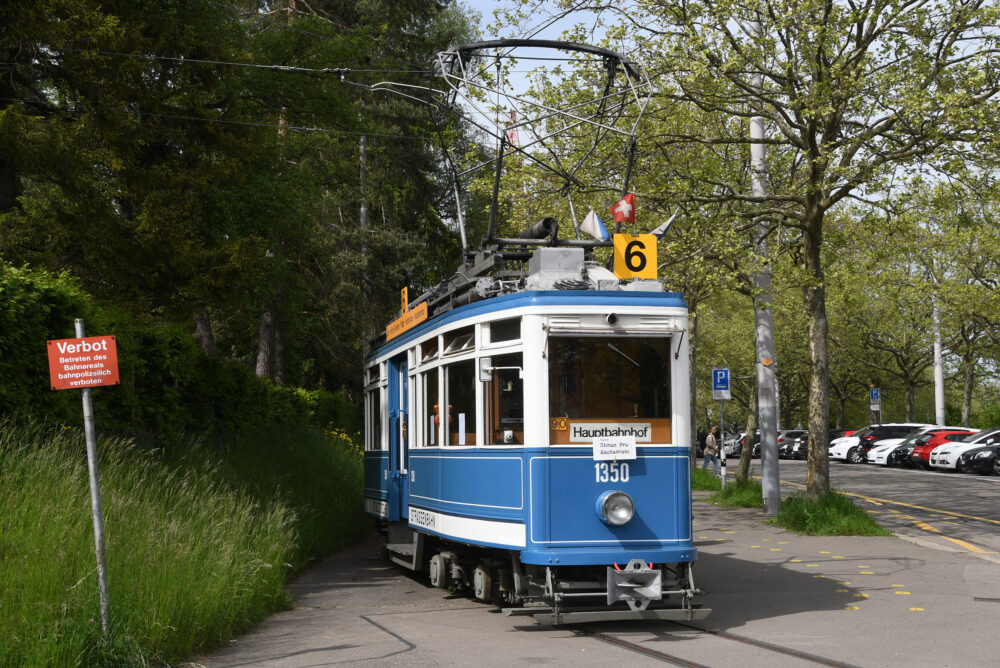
(609, 378)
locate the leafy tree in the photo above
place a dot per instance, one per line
(851, 95)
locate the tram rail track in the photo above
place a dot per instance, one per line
(724, 635)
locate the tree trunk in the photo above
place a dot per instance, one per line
(265, 345)
(911, 401)
(818, 477)
(969, 373)
(203, 332)
(743, 470)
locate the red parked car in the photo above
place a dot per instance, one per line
(921, 454)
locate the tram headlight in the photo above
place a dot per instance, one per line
(615, 508)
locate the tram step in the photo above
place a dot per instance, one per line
(403, 549)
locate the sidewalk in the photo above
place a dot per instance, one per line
(859, 600)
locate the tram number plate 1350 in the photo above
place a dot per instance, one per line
(608, 448)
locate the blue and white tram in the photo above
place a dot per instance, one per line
(532, 447)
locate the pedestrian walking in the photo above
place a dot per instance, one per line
(711, 451)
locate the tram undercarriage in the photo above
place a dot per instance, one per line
(551, 595)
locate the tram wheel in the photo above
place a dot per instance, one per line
(482, 583)
(437, 571)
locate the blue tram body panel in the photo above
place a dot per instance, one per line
(564, 522)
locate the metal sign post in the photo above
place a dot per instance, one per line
(95, 496)
(78, 364)
(721, 392)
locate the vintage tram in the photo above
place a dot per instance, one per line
(527, 440)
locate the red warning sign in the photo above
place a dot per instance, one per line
(78, 363)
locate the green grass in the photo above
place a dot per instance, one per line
(831, 515)
(703, 480)
(200, 542)
(739, 494)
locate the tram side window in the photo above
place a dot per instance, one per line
(505, 330)
(373, 417)
(460, 397)
(601, 378)
(432, 408)
(505, 401)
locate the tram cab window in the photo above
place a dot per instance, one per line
(505, 401)
(609, 379)
(460, 399)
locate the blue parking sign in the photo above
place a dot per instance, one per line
(874, 395)
(720, 385)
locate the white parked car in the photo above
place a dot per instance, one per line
(729, 443)
(879, 454)
(946, 455)
(854, 448)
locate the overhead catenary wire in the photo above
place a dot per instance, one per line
(289, 128)
(229, 63)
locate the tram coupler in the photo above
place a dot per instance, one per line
(637, 584)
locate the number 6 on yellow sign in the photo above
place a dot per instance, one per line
(635, 256)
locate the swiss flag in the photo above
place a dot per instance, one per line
(624, 211)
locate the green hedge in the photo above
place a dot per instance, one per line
(168, 386)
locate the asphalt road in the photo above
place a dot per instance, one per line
(956, 509)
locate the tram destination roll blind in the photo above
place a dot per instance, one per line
(586, 432)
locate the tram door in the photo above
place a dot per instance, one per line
(399, 414)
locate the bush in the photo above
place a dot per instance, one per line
(168, 386)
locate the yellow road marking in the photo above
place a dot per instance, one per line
(852, 607)
(927, 527)
(861, 595)
(867, 573)
(877, 501)
(842, 591)
(839, 557)
(968, 546)
(775, 549)
(916, 609)
(824, 551)
(897, 585)
(795, 561)
(812, 565)
(902, 593)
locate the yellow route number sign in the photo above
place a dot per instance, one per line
(635, 256)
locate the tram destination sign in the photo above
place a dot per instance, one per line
(408, 319)
(589, 432)
(75, 364)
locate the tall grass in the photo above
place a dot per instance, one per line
(199, 546)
